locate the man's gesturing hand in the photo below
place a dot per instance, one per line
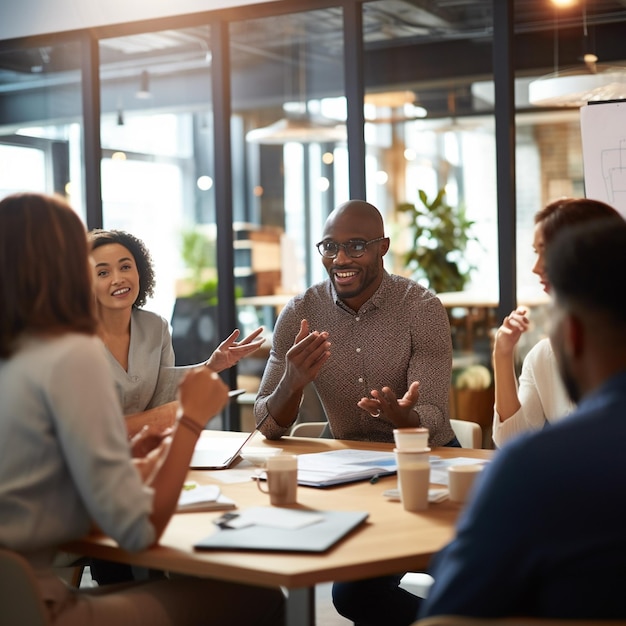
(305, 358)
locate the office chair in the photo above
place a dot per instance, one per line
(307, 429)
(469, 434)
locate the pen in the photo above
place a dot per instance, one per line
(374, 479)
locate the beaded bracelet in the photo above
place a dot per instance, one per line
(183, 420)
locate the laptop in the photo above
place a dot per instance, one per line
(217, 452)
(213, 453)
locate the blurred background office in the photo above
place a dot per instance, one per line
(223, 132)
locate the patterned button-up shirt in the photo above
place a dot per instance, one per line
(400, 335)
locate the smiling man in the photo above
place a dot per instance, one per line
(376, 346)
(378, 351)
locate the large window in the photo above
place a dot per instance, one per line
(41, 121)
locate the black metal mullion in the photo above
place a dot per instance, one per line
(504, 74)
(221, 92)
(92, 148)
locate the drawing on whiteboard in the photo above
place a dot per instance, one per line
(614, 171)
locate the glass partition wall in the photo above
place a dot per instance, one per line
(264, 91)
(41, 120)
(157, 165)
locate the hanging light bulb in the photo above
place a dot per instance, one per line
(299, 124)
(144, 86)
(574, 87)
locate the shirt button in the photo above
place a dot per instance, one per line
(357, 318)
(358, 349)
(360, 379)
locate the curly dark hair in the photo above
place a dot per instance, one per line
(137, 248)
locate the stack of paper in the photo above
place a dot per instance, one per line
(195, 497)
(335, 467)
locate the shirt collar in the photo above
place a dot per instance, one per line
(375, 300)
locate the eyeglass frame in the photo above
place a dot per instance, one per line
(345, 247)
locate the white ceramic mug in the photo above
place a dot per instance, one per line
(461, 480)
(282, 479)
(413, 478)
(411, 438)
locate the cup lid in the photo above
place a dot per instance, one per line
(473, 467)
(411, 429)
(411, 451)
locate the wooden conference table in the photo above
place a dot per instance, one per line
(391, 540)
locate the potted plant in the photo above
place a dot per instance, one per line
(194, 319)
(440, 236)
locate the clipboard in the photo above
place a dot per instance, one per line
(318, 537)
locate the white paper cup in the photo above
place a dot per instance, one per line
(282, 479)
(461, 480)
(413, 478)
(411, 438)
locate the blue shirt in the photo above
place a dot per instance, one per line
(545, 533)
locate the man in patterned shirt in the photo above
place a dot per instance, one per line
(377, 348)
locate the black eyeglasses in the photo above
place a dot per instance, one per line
(329, 249)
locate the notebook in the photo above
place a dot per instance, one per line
(194, 497)
(317, 537)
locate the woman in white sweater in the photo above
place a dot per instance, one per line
(540, 396)
(64, 449)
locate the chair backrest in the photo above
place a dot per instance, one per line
(457, 620)
(469, 434)
(308, 429)
(20, 602)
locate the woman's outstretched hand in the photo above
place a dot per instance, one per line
(230, 351)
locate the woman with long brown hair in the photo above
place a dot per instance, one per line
(65, 462)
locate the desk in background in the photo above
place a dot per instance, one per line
(392, 540)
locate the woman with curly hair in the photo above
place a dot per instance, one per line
(140, 354)
(139, 343)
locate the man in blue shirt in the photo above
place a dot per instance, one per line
(544, 534)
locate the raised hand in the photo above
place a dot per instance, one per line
(509, 333)
(230, 351)
(311, 349)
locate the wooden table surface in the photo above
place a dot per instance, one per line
(391, 540)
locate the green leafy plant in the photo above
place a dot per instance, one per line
(440, 236)
(199, 253)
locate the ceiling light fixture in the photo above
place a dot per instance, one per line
(299, 124)
(574, 87)
(300, 128)
(144, 86)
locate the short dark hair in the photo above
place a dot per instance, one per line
(137, 248)
(585, 266)
(45, 279)
(568, 212)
